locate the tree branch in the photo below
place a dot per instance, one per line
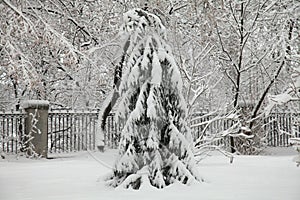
(261, 99)
(16, 10)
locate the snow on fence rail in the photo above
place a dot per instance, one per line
(73, 130)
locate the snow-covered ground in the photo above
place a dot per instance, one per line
(79, 176)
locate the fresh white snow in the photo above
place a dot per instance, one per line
(79, 176)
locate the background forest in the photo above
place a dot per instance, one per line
(231, 53)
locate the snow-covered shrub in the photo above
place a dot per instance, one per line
(215, 132)
(156, 143)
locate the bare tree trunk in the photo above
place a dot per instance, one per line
(111, 99)
(238, 70)
(266, 91)
(15, 86)
(263, 96)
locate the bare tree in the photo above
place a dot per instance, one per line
(252, 58)
(57, 50)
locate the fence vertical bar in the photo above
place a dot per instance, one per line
(285, 126)
(95, 130)
(82, 132)
(16, 135)
(297, 118)
(86, 132)
(274, 129)
(290, 128)
(51, 132)
(55, 135)
(59, 135)
(7, 135)
(71, 132)
(3, 136)
(22, 130)
(276, 134)
(268, 129)
(280, 130)
(91, 119)
(286, 129)
(67, 137)
(112, 132)
(78, 133)
(75, 132)
(18, 132)
(12, 134)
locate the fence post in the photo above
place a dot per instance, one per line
(36, 126)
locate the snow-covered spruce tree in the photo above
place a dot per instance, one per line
(156, 144)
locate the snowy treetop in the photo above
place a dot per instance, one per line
(138, 21)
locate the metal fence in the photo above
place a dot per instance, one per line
(70, 130)
(11, 131)
(278, 127)
(205, 126)
(281, 127)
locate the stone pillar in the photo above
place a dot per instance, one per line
(36, 126)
